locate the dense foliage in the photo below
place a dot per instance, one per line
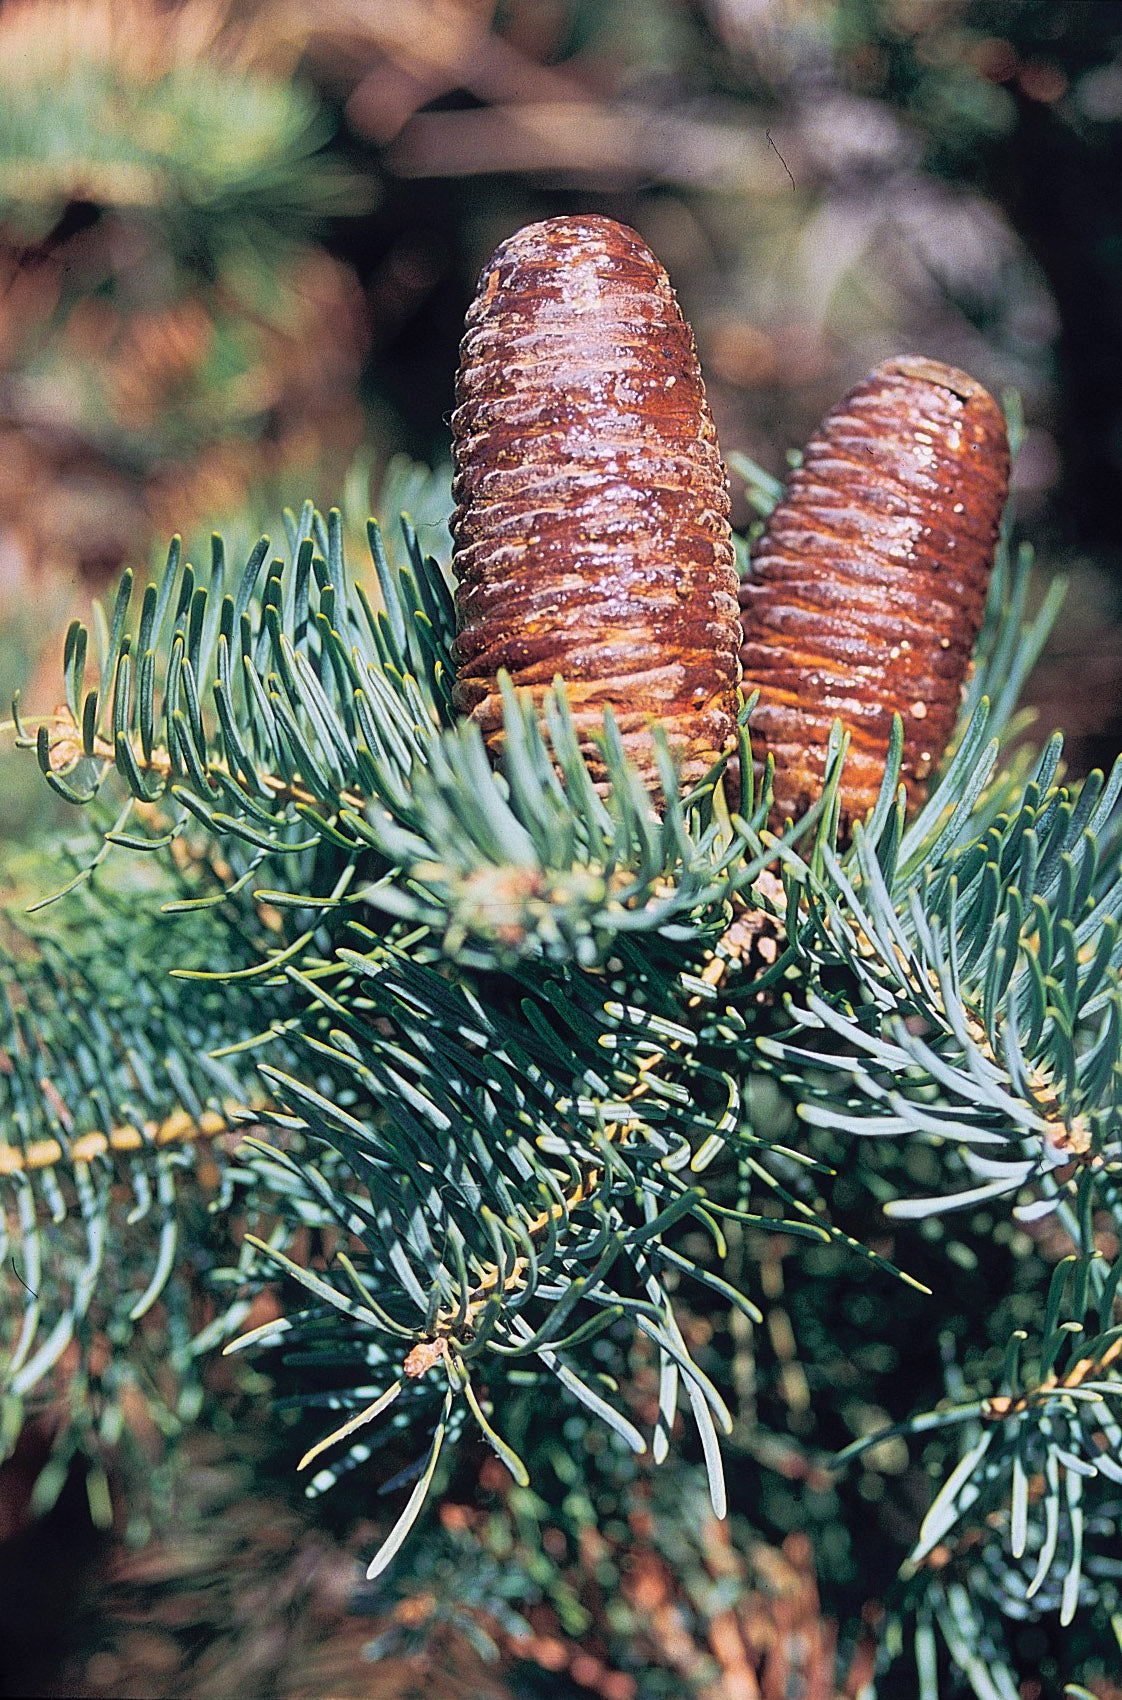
(515, 1058)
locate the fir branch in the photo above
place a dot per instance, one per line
(107, 1096)
(523, 1162)
(984, 1006)
(331, 723)
(513, 1011)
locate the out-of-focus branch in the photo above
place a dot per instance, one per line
(538, 118)
(597, 140)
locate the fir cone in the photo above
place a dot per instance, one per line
(591, 533)
(869, 582)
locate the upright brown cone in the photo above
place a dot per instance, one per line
(591, 533)
(869, 582)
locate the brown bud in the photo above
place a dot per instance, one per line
(869, 582)
(591, 532)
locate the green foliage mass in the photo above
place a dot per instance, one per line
(523, 1051)
(212, 153)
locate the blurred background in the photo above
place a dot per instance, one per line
(237, 241)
